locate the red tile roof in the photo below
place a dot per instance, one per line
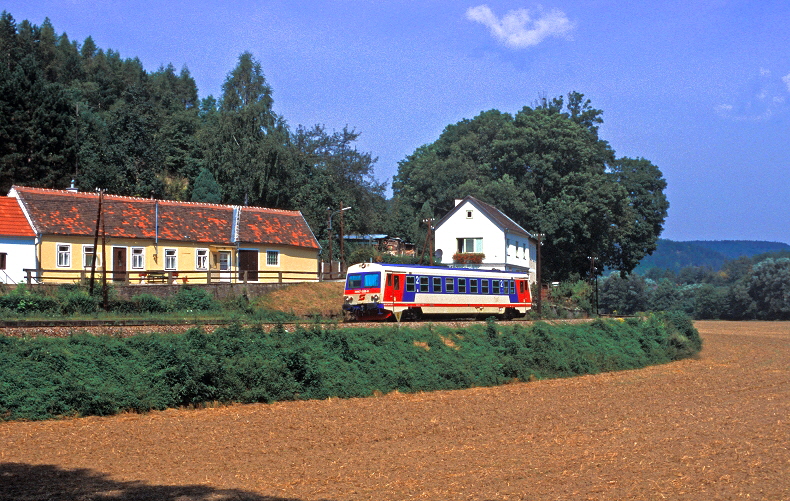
(60, 212)
(13, 222)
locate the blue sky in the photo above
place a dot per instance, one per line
(699, 87)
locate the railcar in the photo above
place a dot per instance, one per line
(378, 291)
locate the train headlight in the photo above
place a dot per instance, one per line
(348, 299)
(375, 298)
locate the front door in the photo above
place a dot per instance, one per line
(248, 261)
(119, 264)
(224, 266)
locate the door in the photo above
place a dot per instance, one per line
(119, 264)
(224, 266)
(248, 261)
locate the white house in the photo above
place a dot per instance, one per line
(479, 228)
(17, 242)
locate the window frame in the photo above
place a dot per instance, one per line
(63, 255)
(201, 255)
(85, 254)
(138, 256)
(270, 261)
(410, 283)
(436, 284)
(449, 285)
(172, 256)
(462, 286)
(473, 286)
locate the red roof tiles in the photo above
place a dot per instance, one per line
(13, 222)
(66, 213)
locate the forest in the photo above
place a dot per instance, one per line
(72, 110)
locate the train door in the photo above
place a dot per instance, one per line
(522, 289)
(393, 290)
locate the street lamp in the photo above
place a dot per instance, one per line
(331, 213)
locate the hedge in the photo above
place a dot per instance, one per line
(44, 378)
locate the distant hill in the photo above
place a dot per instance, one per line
(671, 255)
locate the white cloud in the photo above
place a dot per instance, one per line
(518, 29)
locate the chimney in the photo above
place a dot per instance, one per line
(72, 188)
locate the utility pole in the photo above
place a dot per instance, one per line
(95, 244)
(538, 278)
(342, 248)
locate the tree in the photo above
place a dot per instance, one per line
(547, 169)
(769, 287)
(623, 295)
(206, 188)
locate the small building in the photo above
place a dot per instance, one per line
(144, 240)
(17, 242)
(383, 243)
(478, 235)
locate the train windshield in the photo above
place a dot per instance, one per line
(363, 281)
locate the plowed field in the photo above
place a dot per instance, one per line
(717, 427)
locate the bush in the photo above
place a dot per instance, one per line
(84, 374)
(191, 299)
(77, 301)
(148, 303)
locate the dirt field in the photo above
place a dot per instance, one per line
(713, 428)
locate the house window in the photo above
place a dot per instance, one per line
(468, 214)
(272, 258)
(449, 285)
(88, 254)
(64, 255)
(470, 245)
(3, 260)
(138, 258)
(201, 259)
(170, 259)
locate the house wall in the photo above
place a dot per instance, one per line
(154, 258)
(19, 254)
(520, 251)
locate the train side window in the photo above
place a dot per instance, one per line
(449, 285)
(484, 286)
(410, 283)
(424, 284)
(461, 286)
(396, 283)
(512, 286)
(495, 286)
(521, 286)
(473, 286)
(389, 280)
(437, 284)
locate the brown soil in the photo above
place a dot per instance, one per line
(717, 427)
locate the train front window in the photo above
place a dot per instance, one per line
(363, 281)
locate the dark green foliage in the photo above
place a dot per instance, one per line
(192, 299)
(88, 375)
(206, 188)
(148, 303)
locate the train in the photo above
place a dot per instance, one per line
(380, 291)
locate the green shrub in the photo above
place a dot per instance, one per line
(77, 301)
(148, 303)
(190, 298)
(84, 374)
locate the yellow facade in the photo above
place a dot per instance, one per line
(67, 259)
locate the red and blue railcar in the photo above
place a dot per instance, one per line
(378, 291)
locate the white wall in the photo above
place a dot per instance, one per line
(459, 225)
(20, 254)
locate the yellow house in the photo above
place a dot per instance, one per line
(140, 240)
